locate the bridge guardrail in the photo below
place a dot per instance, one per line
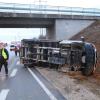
(47, 9)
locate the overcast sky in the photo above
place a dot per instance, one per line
(17, 34)
(71, 3)
(13, 34)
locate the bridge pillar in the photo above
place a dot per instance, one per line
(50, 32)
(65, 29)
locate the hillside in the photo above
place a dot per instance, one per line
(91, 34)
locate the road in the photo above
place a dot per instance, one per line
(25, 83)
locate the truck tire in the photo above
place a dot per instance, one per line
(89, 65)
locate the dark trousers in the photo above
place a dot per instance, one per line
(5, 65)
(16, 53)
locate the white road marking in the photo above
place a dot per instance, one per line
(13, 73)
(52, 97)
(3, 94)
(18, 62)
(11, 64)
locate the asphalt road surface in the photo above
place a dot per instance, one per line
(25, 83)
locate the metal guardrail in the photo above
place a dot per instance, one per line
(46, 9)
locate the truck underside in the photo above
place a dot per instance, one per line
(73, 55)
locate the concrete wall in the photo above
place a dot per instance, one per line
(65, 29)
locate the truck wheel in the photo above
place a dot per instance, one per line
(89, 65)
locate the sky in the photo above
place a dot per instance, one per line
(69, 3)
(17, 34)
(11, 34)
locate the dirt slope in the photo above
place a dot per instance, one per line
(92, 34)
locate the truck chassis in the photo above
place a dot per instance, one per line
(73, 55)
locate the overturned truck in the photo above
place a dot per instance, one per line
(73, 55)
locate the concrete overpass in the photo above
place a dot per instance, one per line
(59, 23)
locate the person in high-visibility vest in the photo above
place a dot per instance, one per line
(4, 56)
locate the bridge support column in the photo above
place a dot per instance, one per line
(50, 32)
(65, 29)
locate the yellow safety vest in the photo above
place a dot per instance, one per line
(4, 54)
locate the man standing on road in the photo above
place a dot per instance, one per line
(16, 50)
(4, 56)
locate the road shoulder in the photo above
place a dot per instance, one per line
(74, 85)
